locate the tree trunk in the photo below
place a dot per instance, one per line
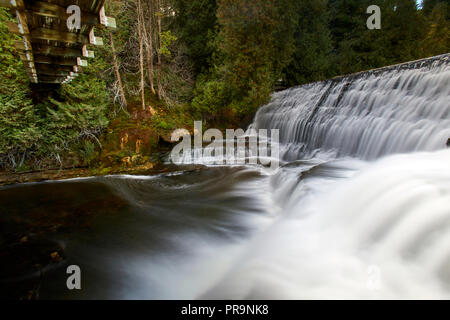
(148, 36)
(141, 52)
(116, 71)
(158, 4)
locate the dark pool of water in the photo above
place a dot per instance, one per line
(132, 237)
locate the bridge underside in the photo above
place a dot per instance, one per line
(50, 51)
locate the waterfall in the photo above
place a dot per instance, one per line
(397, 109)
(352, 225)
(359, 206)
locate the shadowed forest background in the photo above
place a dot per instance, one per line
(172, 61)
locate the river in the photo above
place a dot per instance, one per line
(359, 208)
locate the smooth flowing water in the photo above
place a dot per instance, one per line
(360, 207)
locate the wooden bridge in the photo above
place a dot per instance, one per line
(50, 51)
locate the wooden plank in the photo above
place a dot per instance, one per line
(56, 51)
(26, 56)
(22, 22)
(108, 22)
(12, 4)
(96, 41)
(31, 72)
(55, 35)
(53, 73)
(6, 4)
(50, 82)
(13, 28)
(55, 11)
(19, 45)
(55, 60)
(46, 78)
(26, 40)
(20, 4)
(81, 62)
(96, 7)
(48, 67)
(87, 53)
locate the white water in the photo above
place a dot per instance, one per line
(404, 109)
(351, 219)
(359, 208)
(385, 233)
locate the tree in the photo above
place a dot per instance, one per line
(140, 27)
(195, 25)
(253, 47)
(313, 44)
(437, 39)
(148, 30)
(116, 71)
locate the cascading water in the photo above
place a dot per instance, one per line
(383, 233)
(403, 108)
(360, 207)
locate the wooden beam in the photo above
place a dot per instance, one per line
(55, 11)
(24, 44)
(53, 73)
(51, 50)
(30, 72)
(55, 60)
(96, 41)
(48, 67)
(81, 62)
(87, 53)
(22, 22)
(6, 4)
(19, 45)
(108, 22)
(13, 28)
(47, 78)
(51, 80)
(26, 56)
(12, 4)
(55, 35)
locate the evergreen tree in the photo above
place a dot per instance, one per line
(437, 39)
(253, 48)
(195, 25)
(313, 44)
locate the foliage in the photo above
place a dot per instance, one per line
(43, 131)
(252, 49)
(220, 60)
(195, 24)
(313, 44)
